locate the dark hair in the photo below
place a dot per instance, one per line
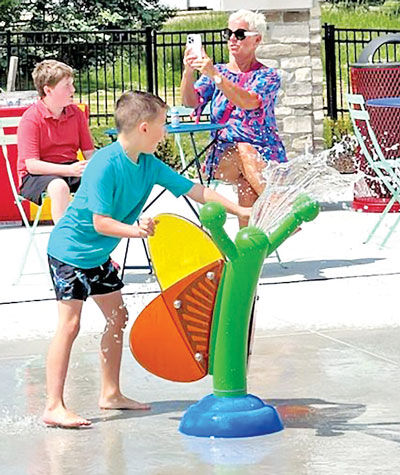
(136, 106)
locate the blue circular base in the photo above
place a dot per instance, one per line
(245, 416)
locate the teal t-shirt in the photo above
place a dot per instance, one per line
(112, 185)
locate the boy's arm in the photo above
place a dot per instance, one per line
(202, 194)
(111, 227)
(88, 153)
(35, 166)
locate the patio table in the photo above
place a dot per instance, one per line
(384, 102)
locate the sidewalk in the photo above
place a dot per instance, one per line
(326, 354)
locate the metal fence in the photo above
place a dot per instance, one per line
(342, 47)
(108, 62)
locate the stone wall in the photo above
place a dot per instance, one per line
(293, 45)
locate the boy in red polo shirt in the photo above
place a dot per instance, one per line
(49, 136)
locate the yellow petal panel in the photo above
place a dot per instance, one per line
(179, 248)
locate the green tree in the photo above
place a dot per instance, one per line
(9, 11)
(40, 15)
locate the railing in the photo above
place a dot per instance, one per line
(343, 46)
(108, 62)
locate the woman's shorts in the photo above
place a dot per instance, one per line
(75, 283)
(34, 185)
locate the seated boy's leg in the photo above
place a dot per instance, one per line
(59, 190)
(34, 185)
(56, 413)
(116, 315)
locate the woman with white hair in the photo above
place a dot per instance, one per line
(242, 95)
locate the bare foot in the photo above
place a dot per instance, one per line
(122, 402)
(61, 417)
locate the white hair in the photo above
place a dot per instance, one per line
(256, 21)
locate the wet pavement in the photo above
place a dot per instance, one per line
(326, 354)
(336, 391)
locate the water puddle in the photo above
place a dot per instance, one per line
(13, 423)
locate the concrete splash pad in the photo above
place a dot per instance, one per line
(336, 391)
(328, 358)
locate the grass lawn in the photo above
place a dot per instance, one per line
(358, 17)
(338, 15)
(197, 21)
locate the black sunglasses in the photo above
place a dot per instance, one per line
(240, 34)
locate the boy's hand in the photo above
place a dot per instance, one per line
(145, 227)
(77, 168)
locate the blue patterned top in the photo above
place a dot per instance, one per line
(256, 126)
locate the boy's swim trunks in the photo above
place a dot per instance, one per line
(74, 283)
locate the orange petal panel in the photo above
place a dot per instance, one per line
(170, 338)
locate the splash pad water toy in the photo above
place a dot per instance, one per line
(199, 324)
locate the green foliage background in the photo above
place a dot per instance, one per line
(42, 15)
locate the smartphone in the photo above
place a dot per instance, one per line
(193, 42)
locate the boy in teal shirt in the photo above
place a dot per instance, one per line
(114, 188)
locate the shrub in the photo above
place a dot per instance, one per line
(339, 138)
(167, 153)
(335, 130)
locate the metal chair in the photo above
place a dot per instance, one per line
(7, 139)
(387, 170)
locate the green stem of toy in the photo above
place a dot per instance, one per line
(230, 351)
(285, 229)
(303, 210)
(229, 334)
(228, 345)
(221, 239)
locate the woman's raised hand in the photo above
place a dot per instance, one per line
(188, 59)
(204, 64)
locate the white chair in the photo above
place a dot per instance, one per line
(7, 139)
(386, 170)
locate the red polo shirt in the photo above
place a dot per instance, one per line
(42, 136)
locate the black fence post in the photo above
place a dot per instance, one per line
(8, 40)
(330, 70)
(149, 59)
(155, 61)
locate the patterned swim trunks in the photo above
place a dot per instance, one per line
(75, 283)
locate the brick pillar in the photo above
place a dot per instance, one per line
(293, 45)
